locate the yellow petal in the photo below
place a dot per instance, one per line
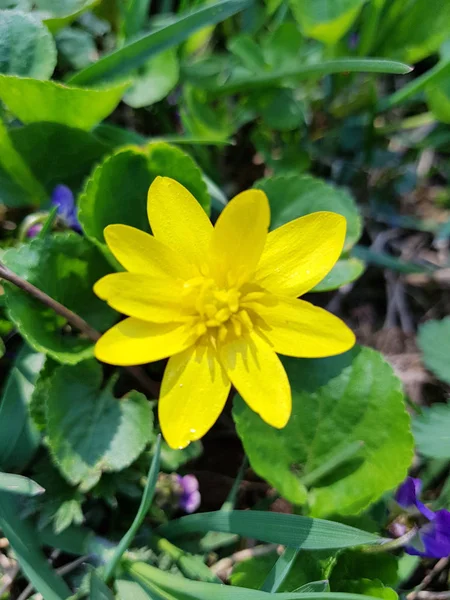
(259, 377)
(143, 297)
(136, 342)
(140, 252)
(178, 220)
(299, 254)
(239, 237)
(298, 328)
(193, 393)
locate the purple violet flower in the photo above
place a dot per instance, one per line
(63, 199)
(34, 230)
(66, 210)
(433, 535)
(190, 496)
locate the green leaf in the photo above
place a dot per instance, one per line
(64, 266)
(24, 542)
(386, 261)
(338, 401)
(204, 120)
(326, 20)
(432, 429)
(60, 13)
(144, 507)
(134, 17)
(98, 589)
(135, 54)
(2, 348)
(102, 202)
(352, 564)
(370, 587)
(39, 395)
(157, 584)
(314, 586)
(280, 109)
(293, 196)
(344, 271)
(27, 47)
(17, 484)
(67, 153)
(248, 50)
(244, 81)
(280, 571)
(283, 47)
(265, 571)
(89, 430)
(19, 439)
(154, 80)
(434, 342)
(32, 100)
(76, 48)
(129, 590)
(277, 528)
(18, 185)
(418, 31)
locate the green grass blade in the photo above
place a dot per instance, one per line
(386, 261)
(174, 586)
(279, 571)
(146, 501)
(289, 530)
(17, 484)
(415, 86)
(30, 558)
(133, 55)
(327, 67)
(98, 589)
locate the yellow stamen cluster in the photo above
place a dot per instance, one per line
(220, 312)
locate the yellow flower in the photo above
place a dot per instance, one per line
(220, 301)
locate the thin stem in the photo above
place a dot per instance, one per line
(75, 320)
(391, 544)
(146, 501)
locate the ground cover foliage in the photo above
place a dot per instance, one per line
(323, 105)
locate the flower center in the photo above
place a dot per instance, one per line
(219, 312)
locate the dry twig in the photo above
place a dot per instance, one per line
(418, 594)
(76, 321)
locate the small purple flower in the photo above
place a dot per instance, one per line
(66, 211)
(34, 230)
(63, 199)
(433, 535)
(190, 496)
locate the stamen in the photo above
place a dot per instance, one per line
(219, 311)
(222, 333)
(245, 319)
(237, 326)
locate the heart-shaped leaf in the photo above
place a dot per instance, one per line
(117, 190)
(89, 430)
(32, 100)
(353, 398)
(27, 47)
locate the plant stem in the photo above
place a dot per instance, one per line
(144, 506)
(75, 320)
